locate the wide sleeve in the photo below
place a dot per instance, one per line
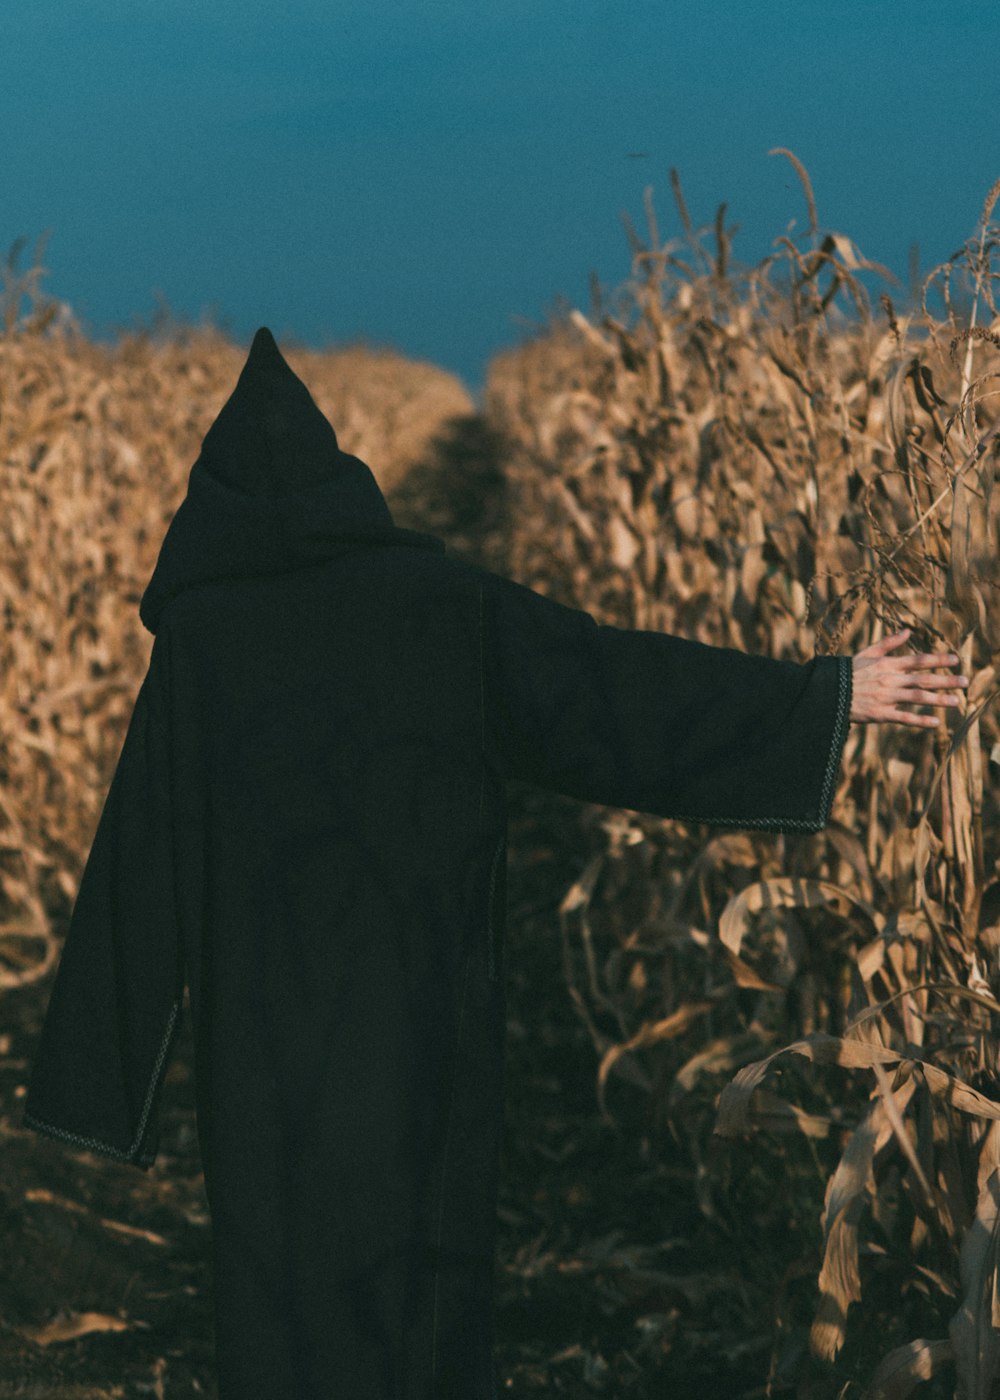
(119, 985)
(657, 723)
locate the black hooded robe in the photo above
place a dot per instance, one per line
(307, 829)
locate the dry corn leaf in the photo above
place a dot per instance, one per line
(870, 958)
(624, 546)
(868, 1014)
(66, 1325)
(580, 892)
(746, 976)
(720, 1054)
(777, 1115)
(668, 1028)
(785, 891)
(902, 1369)
(848, 1191)
(975, 1328)
(43, 1195)
(733, 1115)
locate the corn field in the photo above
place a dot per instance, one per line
(758, 459)
(773, 458)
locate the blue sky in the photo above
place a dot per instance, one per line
(432, 175)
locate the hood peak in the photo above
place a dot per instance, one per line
(270, 489)
(270, 436)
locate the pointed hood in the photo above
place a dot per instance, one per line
(270, 490)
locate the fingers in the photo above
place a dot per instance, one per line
(925, 659)
(880, 647)
(922, 721)
(923, 697)
(922, 659)
(895, 639)
(950, 682)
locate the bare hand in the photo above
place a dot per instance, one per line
(882, 683)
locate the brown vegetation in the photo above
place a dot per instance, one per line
(738, 456)
(797, 1090)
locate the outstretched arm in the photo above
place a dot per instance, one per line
(658, 723)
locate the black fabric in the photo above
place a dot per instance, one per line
(657, 723)
(270, 490)
(306, 830)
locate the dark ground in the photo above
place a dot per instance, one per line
(610, 1280)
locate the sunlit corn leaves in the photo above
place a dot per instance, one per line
(770, 458)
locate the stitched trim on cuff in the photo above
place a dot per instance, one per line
(837, 741)
(132, 1154)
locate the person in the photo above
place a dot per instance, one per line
(306, 833)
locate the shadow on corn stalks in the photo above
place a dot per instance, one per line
(708, 456)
